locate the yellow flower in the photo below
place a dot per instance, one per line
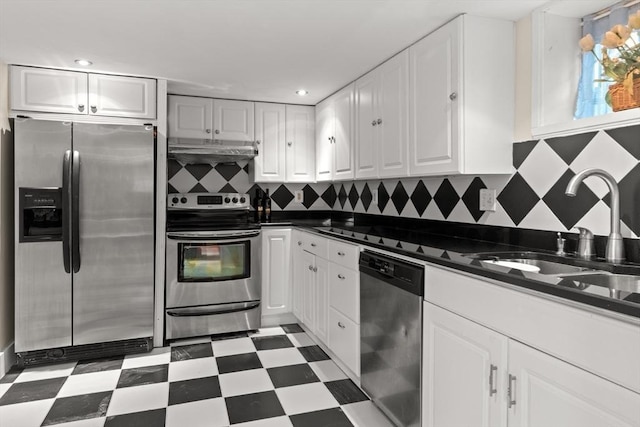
(622, 31)
(587, 43)
(634, 20)
(611, 40)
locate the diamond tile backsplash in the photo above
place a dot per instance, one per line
(532, 197)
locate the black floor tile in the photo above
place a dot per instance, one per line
(11, 376)
(271, 342)
(250, 407)
(143, 375)
(238, 362)
(345, 391)
(193, 390)
(154, 418)
(285, 376)
(98, 365)
(191, 351)
(74, 408)
(333, 417)
(313, 353)
(32, 390)
(292, 328)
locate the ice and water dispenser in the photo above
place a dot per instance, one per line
(40, 214)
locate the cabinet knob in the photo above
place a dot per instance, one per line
(340, 325)
(310, 268)
(313, 245)
(329, 140)
(299, 243)
(379, 121)
(217, 132)
(94, 108)
(257, 140)
(341, 253)
(373, 123)
(81, 107)
(453, 96)
(315, 269)
(207, 130)
(289, 143)
(341, 277)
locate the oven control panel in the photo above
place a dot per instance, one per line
(214, 201)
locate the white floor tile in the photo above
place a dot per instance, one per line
(90, 383)
(157, 356)
(29, 414)
(203, 413)
(266, 332)
(192, 368)
(46, 372)
(327, 370)
(281, 357)
(366, 414)
(233, 346)
(4, 388)
(268, 422)
(301, 339)
(140, 398)
(245, 382)
(306, 398)
(92, 422)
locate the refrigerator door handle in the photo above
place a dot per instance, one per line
(75, 211)
(66, 211)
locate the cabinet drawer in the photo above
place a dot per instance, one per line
(344, 340)
(344, 291)
(344, 254)
(312, 243)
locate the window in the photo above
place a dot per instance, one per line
(591, 94)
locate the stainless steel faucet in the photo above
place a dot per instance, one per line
(615, 246)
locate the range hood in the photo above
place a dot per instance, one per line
(191, 150)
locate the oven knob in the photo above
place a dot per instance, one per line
(235, 200)
(174, 200)
(242, 200)
(183, 200)
(227, 200)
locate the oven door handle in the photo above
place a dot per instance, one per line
(207, 311)
(208, 235)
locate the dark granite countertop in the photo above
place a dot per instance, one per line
(453, 252)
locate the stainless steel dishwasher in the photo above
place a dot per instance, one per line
(391, 293)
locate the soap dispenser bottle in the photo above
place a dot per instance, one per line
(585, 244)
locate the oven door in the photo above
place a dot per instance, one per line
(212, 267)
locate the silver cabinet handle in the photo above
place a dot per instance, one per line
(94, 108)
(315, 269)
(329, 140)
(453, 96)
(341, 325)
(341, 277)
(299, 243)
(207, 130)
(258, 141)
(217, 132)
(493, 371)
(313, 245)
(310, 268)
(511, 391)
(289, 143)
(379, 121)
(373, 123)
(81, 107)
(341, 253)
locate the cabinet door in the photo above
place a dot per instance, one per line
(233, 120)
(190, 117)
(301, 146)
(49, 91)
(120, 96)
(276, 283)
(325, 127)
(309, 289)
(366, 126)
(321, 272)
(298, 275)
(270, 131)
(434, 98)
(343, 142)
(344, 340)
(549, 392)
(393, 114)
(344, 291)
(463, 372)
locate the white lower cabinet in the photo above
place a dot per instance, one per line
(315, 295)
(344, 339)
(276, 280)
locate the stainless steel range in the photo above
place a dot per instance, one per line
(213, 273)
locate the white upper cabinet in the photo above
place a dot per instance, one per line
(233, 120)
(461, 109)
(270, 132)
(190, 117)
(300, 151)
(122, 96)
(381, 120)
(57, 91)
(334, 136)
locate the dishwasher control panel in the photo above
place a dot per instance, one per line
(395, 271)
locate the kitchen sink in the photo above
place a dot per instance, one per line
(616, 283)
(531, 262)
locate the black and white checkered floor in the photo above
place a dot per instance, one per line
(272, 378)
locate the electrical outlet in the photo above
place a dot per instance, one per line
(299, 196)
(374, 196)
(488, 199)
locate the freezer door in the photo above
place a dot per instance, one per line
(43, 288)
(113, 286)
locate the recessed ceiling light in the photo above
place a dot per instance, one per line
(83, 62)
(302, 92)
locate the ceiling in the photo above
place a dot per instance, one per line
(261, 50)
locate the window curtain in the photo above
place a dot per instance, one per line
(591, 95)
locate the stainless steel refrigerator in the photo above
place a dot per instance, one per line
(84, 243)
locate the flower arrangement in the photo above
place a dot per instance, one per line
(624, 68)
